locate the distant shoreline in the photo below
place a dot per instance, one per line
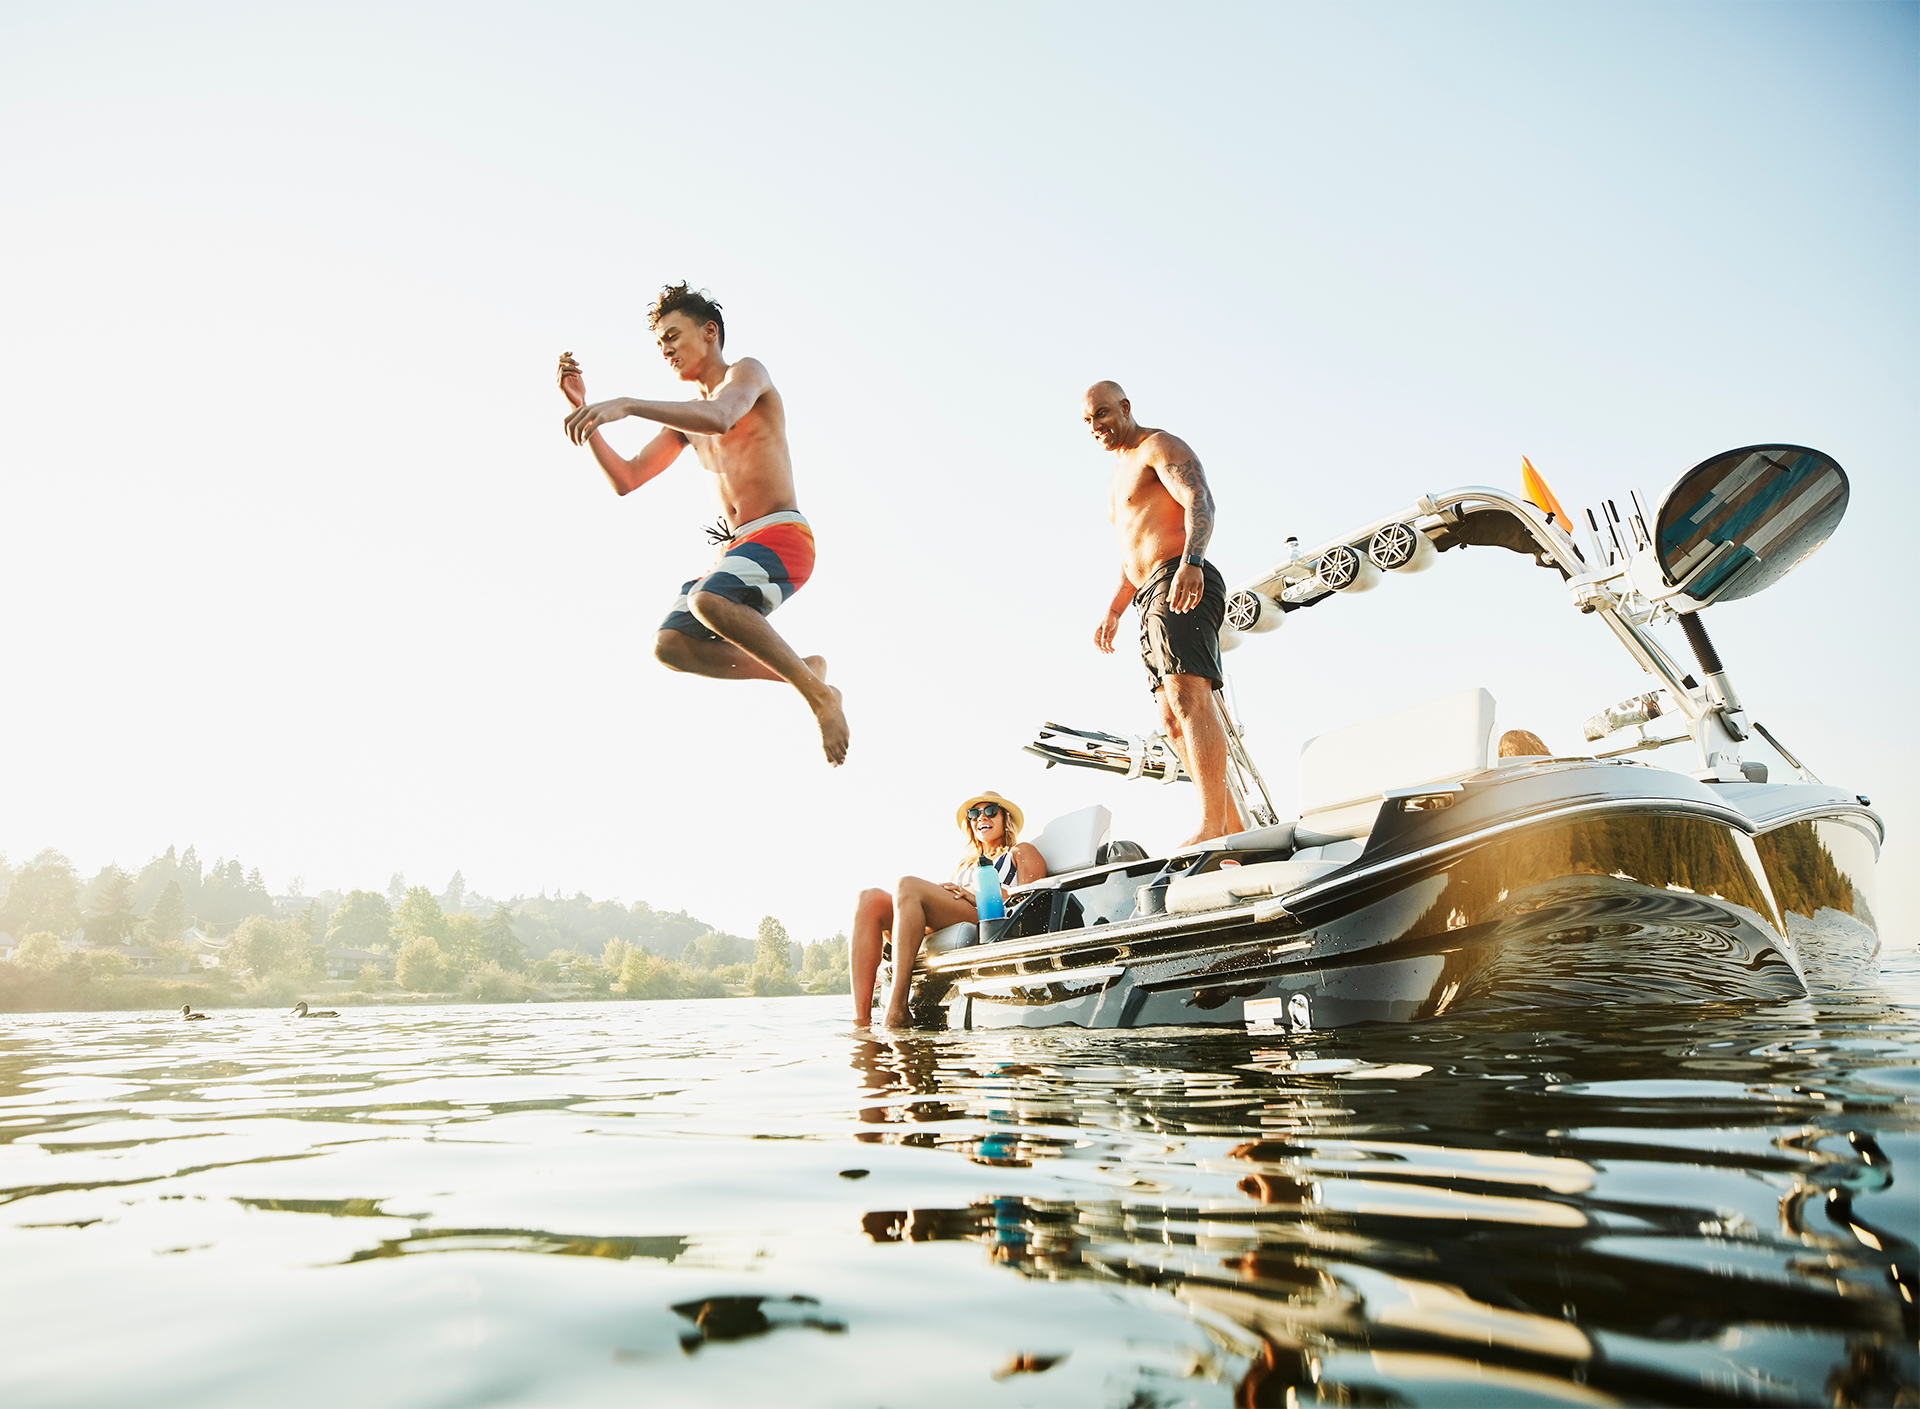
(29, 992)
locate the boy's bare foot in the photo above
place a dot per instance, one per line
(833, 727)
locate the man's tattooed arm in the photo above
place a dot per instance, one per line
(1186, 482)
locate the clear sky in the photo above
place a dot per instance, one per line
(297, 564)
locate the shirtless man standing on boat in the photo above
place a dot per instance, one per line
(738, 428)
(1163, 512)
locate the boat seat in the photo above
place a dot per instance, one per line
(1072, 842)
(1339, 852)
(1343, 774)
(1236, 884)
(951, 937)
(1278, 837)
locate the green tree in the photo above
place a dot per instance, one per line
(228, 894)
(112, 919)
(419, 916)
(455, 895)
(105, 963)
(827, 967)
(645, 976)
(370, 978)
(493, 984)
(463, 940)
(422, 968)
(266, 947)
(167, 920)
(41, 950)
(43, 895)
(613, 956)
(396, 888)
(772, 948)
(585, 969)
(713, 949)
(153, 879)
(170, 957)
(766, 982)
(363, 920)
(499, 943)
(772, 961)
(705, 986)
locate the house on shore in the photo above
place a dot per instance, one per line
(347, 963)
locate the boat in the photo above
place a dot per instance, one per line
(1426, 875)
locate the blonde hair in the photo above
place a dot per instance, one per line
(1522, 743)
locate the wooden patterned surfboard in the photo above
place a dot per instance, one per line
(1773, 504)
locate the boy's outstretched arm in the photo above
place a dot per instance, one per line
(626, 475)
(745, 383)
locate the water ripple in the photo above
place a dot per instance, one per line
(745, 1202)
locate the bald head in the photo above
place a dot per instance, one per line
(1108, 415)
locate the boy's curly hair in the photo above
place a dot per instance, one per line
(681, 298)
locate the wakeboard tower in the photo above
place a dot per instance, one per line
(1424, 876)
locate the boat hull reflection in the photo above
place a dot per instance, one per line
(1512, 1210)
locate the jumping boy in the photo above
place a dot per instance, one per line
(738, 429)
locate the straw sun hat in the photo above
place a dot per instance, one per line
(960, 812)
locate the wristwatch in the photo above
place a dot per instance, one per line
(1192, 561)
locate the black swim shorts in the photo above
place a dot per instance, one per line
(1180, 643)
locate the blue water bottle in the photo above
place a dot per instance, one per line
(986, 889)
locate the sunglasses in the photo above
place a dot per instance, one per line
(984, 809)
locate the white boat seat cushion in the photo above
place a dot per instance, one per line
(1233, 885)
(1276, 838)
(1343, 774)
(1071, 842)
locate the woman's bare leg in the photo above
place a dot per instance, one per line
(872, 918)
(918, 906)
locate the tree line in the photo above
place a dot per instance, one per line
(450, 942)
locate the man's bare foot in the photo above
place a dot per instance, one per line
(1028, 1363)
(833, 727)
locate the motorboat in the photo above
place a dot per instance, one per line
(1424, 873)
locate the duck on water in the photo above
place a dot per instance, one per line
(1423, 875)
(186, 1011)
(300, 1011)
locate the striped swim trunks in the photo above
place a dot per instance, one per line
(766, 562)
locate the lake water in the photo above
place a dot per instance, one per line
(742, 1202)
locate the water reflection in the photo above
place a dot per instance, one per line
(1664, 1215)
(1622, 1206)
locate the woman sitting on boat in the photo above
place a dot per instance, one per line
(916, 908)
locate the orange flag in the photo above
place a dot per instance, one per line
(1537, 494)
